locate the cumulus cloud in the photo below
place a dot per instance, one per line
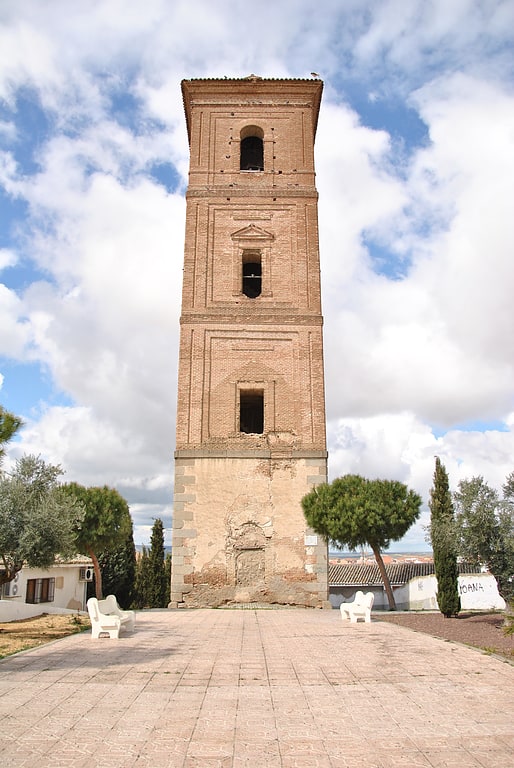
(7, 258)
(415, 238)
(436, 340)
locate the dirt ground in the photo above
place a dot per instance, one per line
(28, 633)
(480, 630)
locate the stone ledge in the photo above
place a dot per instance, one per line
(213, 453)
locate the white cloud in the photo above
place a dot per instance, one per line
(107, 328)
(472, 156)
(437, 341)
(356, 193)
(14, 330)
(424, 35)
(432, 346)
(26, 56)
(8, 258)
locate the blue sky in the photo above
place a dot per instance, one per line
(415, 170)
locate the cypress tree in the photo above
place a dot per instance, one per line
(167, 570)
(444, 543)
(142, 591)
(157, 571)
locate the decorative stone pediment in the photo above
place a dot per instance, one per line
(252, 234)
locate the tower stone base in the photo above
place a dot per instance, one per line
(253, 544)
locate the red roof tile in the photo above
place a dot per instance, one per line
(352, 575)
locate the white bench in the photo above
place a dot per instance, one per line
(360, 608)
(108, 618)
(110, 605)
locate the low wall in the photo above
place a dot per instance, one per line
(13, 610)
(478, 592)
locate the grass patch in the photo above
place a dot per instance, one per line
(16, 636)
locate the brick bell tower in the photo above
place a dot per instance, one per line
(251, 412)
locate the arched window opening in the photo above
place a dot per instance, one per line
(251, 411)
(252, 274)
(252, 149)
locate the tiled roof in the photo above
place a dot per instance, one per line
(75, 560)
(353, 575)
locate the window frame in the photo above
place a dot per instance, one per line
(40, 591)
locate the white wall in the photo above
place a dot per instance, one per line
(69, 596)
(478, 591)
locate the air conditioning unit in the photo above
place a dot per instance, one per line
(86, 574)
(10, 589)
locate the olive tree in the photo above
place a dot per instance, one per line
(485, 529)
(38, 519)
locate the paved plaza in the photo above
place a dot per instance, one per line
(286, 687)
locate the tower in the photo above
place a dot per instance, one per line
(251, 412)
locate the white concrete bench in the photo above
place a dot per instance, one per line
(360, 608)
(110, 606)
(108, 618)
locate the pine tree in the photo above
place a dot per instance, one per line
(157, 571)
(444, 543)
(105, 525)
(353, 511)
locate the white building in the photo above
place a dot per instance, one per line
(414, 586)
(62, 588)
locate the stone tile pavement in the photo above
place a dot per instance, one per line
(289, 687)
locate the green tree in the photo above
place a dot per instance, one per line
(508, 490)
(37, 518)
(167, 569)
(105, 525)
(157, 572)
(353, 511)
(485, 525)
(506, 529)
(142, 597)
(118, 567)
(9, 425)
(444, 542)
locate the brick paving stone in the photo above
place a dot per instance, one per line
(282, 689)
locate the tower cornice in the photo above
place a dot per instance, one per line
(252, 91)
